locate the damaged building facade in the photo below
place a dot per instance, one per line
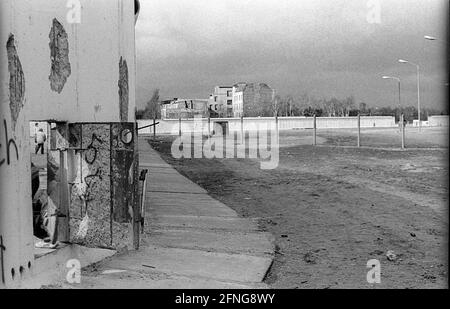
(70, 64)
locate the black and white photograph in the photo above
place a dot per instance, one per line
(224, 151)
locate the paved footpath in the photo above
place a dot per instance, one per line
(190, 241)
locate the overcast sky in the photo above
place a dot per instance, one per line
(321, 47)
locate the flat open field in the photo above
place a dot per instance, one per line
(332, 209)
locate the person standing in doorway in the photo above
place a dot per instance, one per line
(40, 140)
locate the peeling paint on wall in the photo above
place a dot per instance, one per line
(123, 90)
(59, 55)
(16, 80)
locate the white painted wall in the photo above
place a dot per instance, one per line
(105, 34)
(285, 123)
(438, 121)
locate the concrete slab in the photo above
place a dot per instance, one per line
(154, 209)
(251, 243)
(203, 222)
(138, 280)
(165, 182)
(237, 268)
(52, 266)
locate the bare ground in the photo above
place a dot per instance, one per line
(331, 209)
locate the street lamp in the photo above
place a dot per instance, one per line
(430, 38)
(399, 86)
(433, 38)
(402, 128)
(418, 86)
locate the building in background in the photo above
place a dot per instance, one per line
(184, 109)
(252, 100)
(221, 101)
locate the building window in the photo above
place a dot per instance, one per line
(230, 102)
(215, 99)
(229, 93)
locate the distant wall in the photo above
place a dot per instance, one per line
(438, 121)
(285, 123)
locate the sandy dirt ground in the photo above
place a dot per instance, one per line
(332, 209)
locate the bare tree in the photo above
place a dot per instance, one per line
(153, 109)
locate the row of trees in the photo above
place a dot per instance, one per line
(308, 106)
(152, 109)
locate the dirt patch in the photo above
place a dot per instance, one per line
(326, 227)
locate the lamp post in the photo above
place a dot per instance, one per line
(399, 87)
(433, 38)
(402, 124)
(418, 88)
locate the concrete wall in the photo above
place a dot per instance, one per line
(53, 69)
(285, 123)
(438, 121)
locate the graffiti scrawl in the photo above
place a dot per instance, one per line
(10, 143)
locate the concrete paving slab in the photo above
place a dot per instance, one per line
(138, 280)
(187, 205)
(194, 263)
(164, 182)
(203, 222)
(252, 243)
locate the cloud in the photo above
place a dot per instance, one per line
(187, 47)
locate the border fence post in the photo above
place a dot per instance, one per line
(179, 126)
(277, 132)
(315, 131)
(402, 128)
(359, 130)
(242, 129)
(154, 128)
(209, 125)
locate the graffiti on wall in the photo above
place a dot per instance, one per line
(90, 208)
(10, 145)
(101, 194)
(16, 80)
